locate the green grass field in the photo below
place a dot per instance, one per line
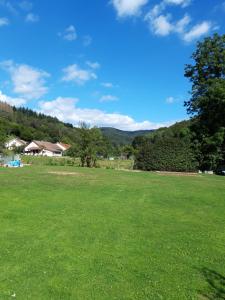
(107, 234)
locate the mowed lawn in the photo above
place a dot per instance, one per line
(73, 233)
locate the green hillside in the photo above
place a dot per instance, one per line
(29, 125)
(120, 137)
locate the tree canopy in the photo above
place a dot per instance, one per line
(207, 102)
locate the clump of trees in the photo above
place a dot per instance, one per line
(91, 145)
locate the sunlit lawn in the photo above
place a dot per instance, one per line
(72, 233)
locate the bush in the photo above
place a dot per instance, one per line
(166, 154)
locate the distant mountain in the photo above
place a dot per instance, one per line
(120, 137)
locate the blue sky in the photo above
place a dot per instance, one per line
(116, 63)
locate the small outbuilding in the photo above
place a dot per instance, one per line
(15, 143)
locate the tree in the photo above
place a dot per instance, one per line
(207, 103)
(2, 142)
(90, 142)
(127, 151)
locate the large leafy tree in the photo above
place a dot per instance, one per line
(90, 141)
(207, 103)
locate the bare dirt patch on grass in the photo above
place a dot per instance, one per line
(129, 170)
(176, 173)
(66, 173)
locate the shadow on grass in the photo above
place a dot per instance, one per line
(216, 285)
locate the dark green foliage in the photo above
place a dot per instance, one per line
(207, 103)
(2, 139)
(168, 154)
(166, 150)
(127, 151)
(90, 144)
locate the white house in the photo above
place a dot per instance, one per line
(42, 148)
(14, 143)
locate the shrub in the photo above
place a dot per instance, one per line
(166, 154)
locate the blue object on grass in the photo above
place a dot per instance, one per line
(14, 163)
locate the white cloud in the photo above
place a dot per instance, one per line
(93, 65)
(27, 81)
(66, 110)
(182, 24)
(87, 40)
(223, 5)
(161, 25)
(4, 22)
(8, 5)
(170, 100)
(127, 8)
(159, 8)
(69, 33)
(26, 5)
(32, 18)
(77, 75)
(183, 3)
(108, 98)
(107, 84)
(177, 99)
(12, 101)
(197, 31)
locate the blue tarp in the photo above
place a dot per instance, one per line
(14, 163)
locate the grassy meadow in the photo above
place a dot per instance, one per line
(73, 233)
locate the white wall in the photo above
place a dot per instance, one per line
(50, 153)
